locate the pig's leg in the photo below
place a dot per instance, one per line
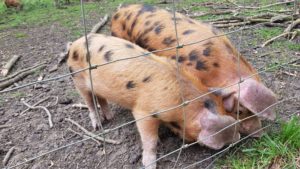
(88, 98)
(148, 129)
(105, 108)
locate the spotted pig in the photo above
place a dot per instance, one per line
(212, 62)
(147, 85)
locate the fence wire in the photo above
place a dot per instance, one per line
(182, 105)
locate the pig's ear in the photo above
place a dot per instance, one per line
(257, 98)
(211, 124)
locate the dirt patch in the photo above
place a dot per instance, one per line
(31, 135)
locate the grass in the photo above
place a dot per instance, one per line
(280, 149)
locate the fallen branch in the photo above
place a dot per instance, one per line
(292, 25)
(5, 70)
(281, 18)
(99, 25)
(4, 126)
(19, 77)
(21, 71)
(35, 104)
(213, 13)
(84, 136)
(268, 53)
(44, 108)
(276, 37)
(8, 155)
(92, 134)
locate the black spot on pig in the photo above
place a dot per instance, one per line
(116, 16)
(113, 34)
(180, 58)
(129, 16)
(188, 32)
(168, 41)
(216, 64)
(206, 51)
(75, 55)
(130, 46)
(150, 16)
(147, 79)
(107, 56)
(200, 65)
(130, 85)
(193, 55)
(158, 29)
(210, 105)
(147, 23)
(142, 42)
(123, 26)
(101, 48)
(133, 24)
(151, 49)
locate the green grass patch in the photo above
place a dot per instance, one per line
(268, 33)
(281, 148)
(20, 35)
(18, 95)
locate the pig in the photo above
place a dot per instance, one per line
(147, 85)
(213, 62)
(13, 4)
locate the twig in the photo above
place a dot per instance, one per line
(84, 136)
(35, 104)
(21, 71)
(8, 155)
(274, 38)
(281, 18)
(92, 134)
(19, 77)
(292, 25)
(4, 126)
(5, 70)
(45, 109)
(82, 106)
(213, 13)
(99, 25)
(268, 53)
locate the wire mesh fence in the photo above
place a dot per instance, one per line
(104, 132)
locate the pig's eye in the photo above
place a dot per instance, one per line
(239, 112)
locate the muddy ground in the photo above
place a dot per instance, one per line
(31, 135)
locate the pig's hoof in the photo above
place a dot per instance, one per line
(95, 123)
(149, 162)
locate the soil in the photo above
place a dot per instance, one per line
(31, 135)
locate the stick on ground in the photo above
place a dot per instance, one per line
(8, 155)
(19, 77)
(274, 38)
(21, 71)
(99, 25)
(44, 108)
(90, 134)
(6, 68)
